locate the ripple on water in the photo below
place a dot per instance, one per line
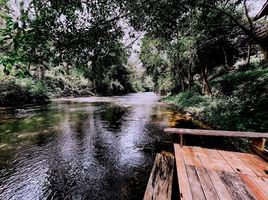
(82, 148)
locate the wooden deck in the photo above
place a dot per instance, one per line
(216, 174)
(209, 174)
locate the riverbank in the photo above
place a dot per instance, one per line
(28, 91)
(13, 95)
(22, 91)
(239, 101)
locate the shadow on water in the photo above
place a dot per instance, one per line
(85, 148)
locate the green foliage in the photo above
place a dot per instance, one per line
(139, 80)
(187, 99)
(52, 34)
(13, 94)
(157, 56)
(243, 106)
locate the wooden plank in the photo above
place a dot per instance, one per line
(220, 161)
(190, 157)
(212, 161)
(216, 154)
(216, 133)
(205, 159)
(262, 183)
(195, 185)
(219, 186)
(254, 188)
(235, 186)
(206, 184)
(184, 187)
(257, 167)
(160, 182)
(259, 160)
(237, 165)
(255, 158)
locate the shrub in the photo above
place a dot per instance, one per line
(186, 99)
(12, 94)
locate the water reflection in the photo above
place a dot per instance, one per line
(82, 148)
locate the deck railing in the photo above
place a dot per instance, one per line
(257, 139)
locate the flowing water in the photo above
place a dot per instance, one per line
(83, 148)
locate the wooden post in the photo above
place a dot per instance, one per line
(259, 142)
(181, 140)
(258, 146)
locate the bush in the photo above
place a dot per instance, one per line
(245, 109)
(12, 94)
(186, 99)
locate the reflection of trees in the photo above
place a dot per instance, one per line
(72, 174)
(85, 160)
(88, 160)
(113, 115)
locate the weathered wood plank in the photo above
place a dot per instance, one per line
(190, 157)
(219, 186)
(216, 133)
(262, 183)
(257, 167)
(195, 185)
(203, 174)
(184, 187)
(254, 188)
(259, 160)
(237, 165)
(206, 184)
(210, 161)
(222, 164)
(159, 186)
(236, 187)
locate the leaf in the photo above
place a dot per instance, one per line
(20, 74)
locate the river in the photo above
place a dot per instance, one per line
(84, 148)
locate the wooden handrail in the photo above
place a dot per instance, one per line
(202, 132)
(257, 139)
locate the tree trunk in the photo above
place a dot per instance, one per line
(29, 68)
(40, 72)
(179, 75)
(264, 49)
(156, 87)
(67, 69)
(94, 76)
(190, 78)
(225, 56)
(182, 80)
(248, 54)
(190, 75)
(206, 86)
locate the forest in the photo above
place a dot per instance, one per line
(208, 57)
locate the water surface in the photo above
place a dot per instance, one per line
(83, 148)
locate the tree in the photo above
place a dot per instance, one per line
(155, 60)
(67, 33)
